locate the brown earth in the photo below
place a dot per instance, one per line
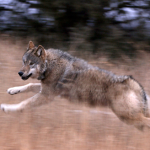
(61, 125)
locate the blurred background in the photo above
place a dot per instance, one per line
(93, 25)
(110, 34)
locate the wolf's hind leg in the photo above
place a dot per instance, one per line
(146, 122)
(31, 87)
(139, 127)
(36, 100)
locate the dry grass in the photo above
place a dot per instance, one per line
(61, 125)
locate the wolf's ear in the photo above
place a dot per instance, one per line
(31, 45)
(40, 51)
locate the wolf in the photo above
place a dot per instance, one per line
(61, 74)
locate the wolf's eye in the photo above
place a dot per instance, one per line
(31, 63)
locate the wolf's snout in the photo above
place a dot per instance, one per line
(20, 73)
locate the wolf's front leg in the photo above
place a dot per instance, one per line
(34, 87)
(36, 100)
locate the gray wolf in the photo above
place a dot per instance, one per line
(73, 78)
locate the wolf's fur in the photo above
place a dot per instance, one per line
(75, 79)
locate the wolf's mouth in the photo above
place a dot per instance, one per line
(26, 77)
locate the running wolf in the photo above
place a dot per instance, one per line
(73, 78)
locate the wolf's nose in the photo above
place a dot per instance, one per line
(20, 73)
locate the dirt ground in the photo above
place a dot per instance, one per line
(61, 125)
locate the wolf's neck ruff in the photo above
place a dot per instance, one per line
(43, 70)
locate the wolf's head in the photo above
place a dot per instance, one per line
(34, 62)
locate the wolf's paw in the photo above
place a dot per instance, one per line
(3, 107)
(14, 90)
(11, 107)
